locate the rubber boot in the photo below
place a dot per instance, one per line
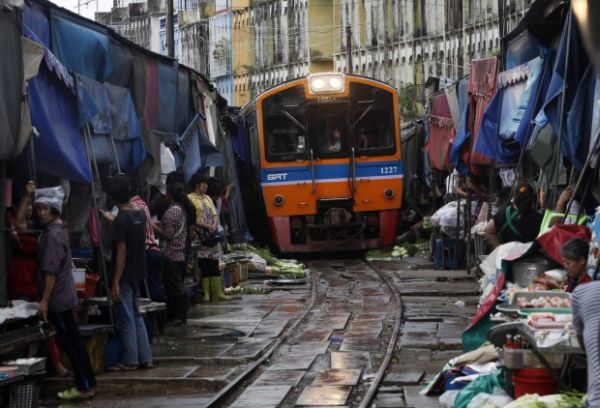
(216, 289)
(206, 290)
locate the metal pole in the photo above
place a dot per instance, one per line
(94, 168)
(114, 149)
(562, 110)
(349, 48)
(3, 234)
(170, 30)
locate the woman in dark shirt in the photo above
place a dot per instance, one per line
(58, 291)
(517, 222)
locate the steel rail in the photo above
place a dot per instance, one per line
(225, 392)
(371, 392)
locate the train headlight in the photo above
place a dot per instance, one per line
(326, 83)
(389, 193)
(335, 82)
(278, 200)
(318, 84)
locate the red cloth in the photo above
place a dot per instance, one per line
(490, 301)
(482, 86)
(554, 239)
(441, 133)
(22, 268)
(573, 283)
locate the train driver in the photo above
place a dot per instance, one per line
(334, 143)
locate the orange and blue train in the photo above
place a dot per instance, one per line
(327, 166)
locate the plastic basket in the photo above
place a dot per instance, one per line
(25, 395)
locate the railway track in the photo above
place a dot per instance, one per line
(335, 353)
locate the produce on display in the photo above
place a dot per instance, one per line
(544, 302)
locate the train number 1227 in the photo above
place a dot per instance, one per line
(389, 170)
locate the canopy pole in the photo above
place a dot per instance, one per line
(562, 108)
(114, 149)
(3, 238)
(94, 167)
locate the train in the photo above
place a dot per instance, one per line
(326, 171)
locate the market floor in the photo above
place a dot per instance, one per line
(437, 306)
(198, 359)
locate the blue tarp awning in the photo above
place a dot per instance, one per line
(83, 48)
(462, 135)
(523, 48)
(110, 112)
(198, 152)
(506, 122)
(167, 98)
(579, 121)
(578, 62)
(59, 150)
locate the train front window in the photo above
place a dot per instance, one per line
(284, 121)
(328, 125)
(372, 120)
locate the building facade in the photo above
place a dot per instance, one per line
(401, 42)
(144, 23)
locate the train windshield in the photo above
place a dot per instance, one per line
(284, 119)
(329, 127)
(372, 120)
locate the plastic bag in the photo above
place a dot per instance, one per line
(484, 384)
(447, 399)
(498, 399)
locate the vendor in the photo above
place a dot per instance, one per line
(574, 254)
(517, 222)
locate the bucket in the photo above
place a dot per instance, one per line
(79, 278)
(90, 286)
(533, 381)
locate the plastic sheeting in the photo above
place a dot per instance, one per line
(522, 49)
(36, 24)
(82, 48)
(59, 150)
(241, 142)
(110, 112)
(184, 109)
(33, 53)
(482, 85)
(123, 65)
(167, 98)
(578, 62)
(505, 126)
(441, 133)
(11, 78)
(198, 152)
(462, 136)
(576, 146)
(412, 161)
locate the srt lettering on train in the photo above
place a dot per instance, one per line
(277, 177)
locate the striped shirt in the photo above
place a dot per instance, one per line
(586, 322)
(175, 229)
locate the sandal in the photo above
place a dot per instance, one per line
(147, 366)
(122, 367)
(73, 394)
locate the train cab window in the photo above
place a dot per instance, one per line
(332, 136)
(284, 121)
(372, 118)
